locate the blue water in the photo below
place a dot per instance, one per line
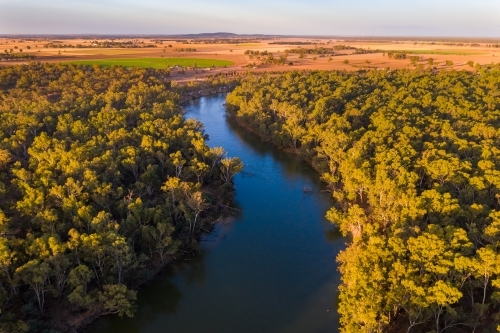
(270, 270)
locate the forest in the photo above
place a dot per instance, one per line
(102, 183)
(412, 160)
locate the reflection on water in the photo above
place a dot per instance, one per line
(271, 269)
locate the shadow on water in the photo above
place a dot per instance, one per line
(271, 269)
(291, 163)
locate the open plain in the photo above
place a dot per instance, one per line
(349, 54)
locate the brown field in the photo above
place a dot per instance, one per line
(458, 54)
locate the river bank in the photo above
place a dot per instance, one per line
(64, 317)
(71, 322)
(271, 269)
(289, 150)
(192, 95)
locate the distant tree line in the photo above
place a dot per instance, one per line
(292, 43)
(185, 49)
(266, 58)
(99, 44)
(16, 56)
(225, 41)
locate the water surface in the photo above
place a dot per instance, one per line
(271, 270)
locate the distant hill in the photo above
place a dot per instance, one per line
(204, 35)
(230, 35)
(211, 35)
(220, 35)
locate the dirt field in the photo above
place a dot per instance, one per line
(459, 53)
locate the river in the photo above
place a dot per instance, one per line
(271, 270)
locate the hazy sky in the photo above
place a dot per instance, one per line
(311, 17)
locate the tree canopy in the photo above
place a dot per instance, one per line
(412, 160)
(102, 181)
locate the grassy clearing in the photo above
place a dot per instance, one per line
(443, 52)
(249, 44)
(157, 62)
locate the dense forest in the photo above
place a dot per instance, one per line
(102, 182)
(412, 159)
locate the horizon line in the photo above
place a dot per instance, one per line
(244, 35)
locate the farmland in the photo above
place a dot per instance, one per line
(157, 62)
(349, 54)
(267, 53)
(446, 52)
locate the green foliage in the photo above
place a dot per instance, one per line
(230, 167)
(315, 50)
(264, 57)
(16, 56)
(157, 62)
(412, 159)
(397, 55)
(117, 299)
(444, 52)
(414, 60)
(100, 183)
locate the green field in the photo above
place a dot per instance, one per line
(443, 52)
(157, 62)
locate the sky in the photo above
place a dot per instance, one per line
(460, 18)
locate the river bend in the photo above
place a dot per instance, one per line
(271, 270)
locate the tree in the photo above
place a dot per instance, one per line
(90, 176)
(178, 161)
(36, 274)
(197, 204)
(118, 248)
(59, 264)
(79, 278)
(414, 60)
(215, 155)
(230, 167)
(415, 184)
(199, 169)
(117, 299)
(483, 267)
(161, 236)
(131, 160)
(178, 189)
(7, 258)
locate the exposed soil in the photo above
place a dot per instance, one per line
(480, 53)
